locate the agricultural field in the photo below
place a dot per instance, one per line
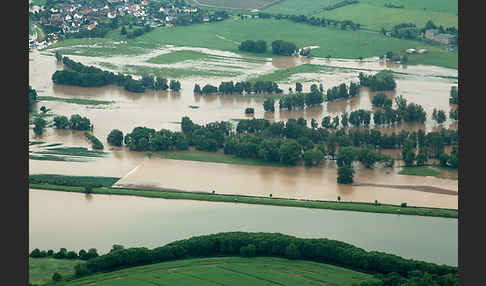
(373, 15)
(233, 4)
(299, 7)
(227, 34)
(228, 271)
(42, 269)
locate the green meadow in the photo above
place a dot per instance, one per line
(42, 269)
(235, 271)
(373, 15)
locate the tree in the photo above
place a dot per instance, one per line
(421, 159)
(290, 152)
(379, 99)
(291, 251)
(298, 87)
(32, 97)
(344, 119)
(439, 116)
(443, 158)
(61, 122)
(56, 276)
(39, 125)
(346, 156)
(345, 175)
(115, 137)
(313, 158)
(326, 122)
(367, 156)
(175, 85)
(269, 104)
(123, 31)
(58, 56)
(197, 89)
(249, 110)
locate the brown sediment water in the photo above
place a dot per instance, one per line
(74, 221)
(318, 183)
(422, 85)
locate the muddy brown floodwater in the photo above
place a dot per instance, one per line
(296, 182)
(425, 85)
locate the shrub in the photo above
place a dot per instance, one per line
(56, 277)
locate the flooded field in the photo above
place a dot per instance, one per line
(297, 182)
(425, 85)
(79, 221)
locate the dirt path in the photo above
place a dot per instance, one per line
(427, 189)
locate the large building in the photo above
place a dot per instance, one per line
(434, 35)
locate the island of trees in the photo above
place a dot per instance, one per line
(78, 74)
(247, 87)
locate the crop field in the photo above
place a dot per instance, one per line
(228, 271)
(234, 4)
(373, 15)
(299, 7)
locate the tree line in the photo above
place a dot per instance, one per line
(342, 91)
(78, 74)
(321, 250)
(247, 87)
(96, 143)
(383, 80)
(75, 122)
(291, 142)
(63, 253)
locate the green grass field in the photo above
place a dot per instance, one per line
(226, 36)
(299, 7)
(178, 56)
(333, 205)
(177, 72)
(42, 269)
(333, 42)
(429, 171)
(228, 271)
(74, 100)
(73, 151)
(216, 157)
(372, 14)
(285, 74)
(232, 4)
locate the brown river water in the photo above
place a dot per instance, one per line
(424, 85)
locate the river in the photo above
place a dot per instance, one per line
(78, 221)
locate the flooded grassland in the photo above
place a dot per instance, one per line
(425, 85)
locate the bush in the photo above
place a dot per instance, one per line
(115, 137)
(249, 110)
(403, 205)
(56, 277)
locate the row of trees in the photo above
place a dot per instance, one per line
(96, 143)
(147, 139)
(259, 46)
(230, 87)
(283, 48)
(289, 143)
(383, 80)
(63, 253)
(299, 100)
(342, 91)
(275, 245)
(75, 122)
(89, 76)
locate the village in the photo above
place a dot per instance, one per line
(70, 16)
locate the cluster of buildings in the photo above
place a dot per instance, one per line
(72, 17)
(435, 35)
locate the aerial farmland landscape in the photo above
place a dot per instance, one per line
(258, 142)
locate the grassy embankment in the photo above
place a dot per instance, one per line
(171, 194)
(42, 269)
(227, 271)
(299, 7)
